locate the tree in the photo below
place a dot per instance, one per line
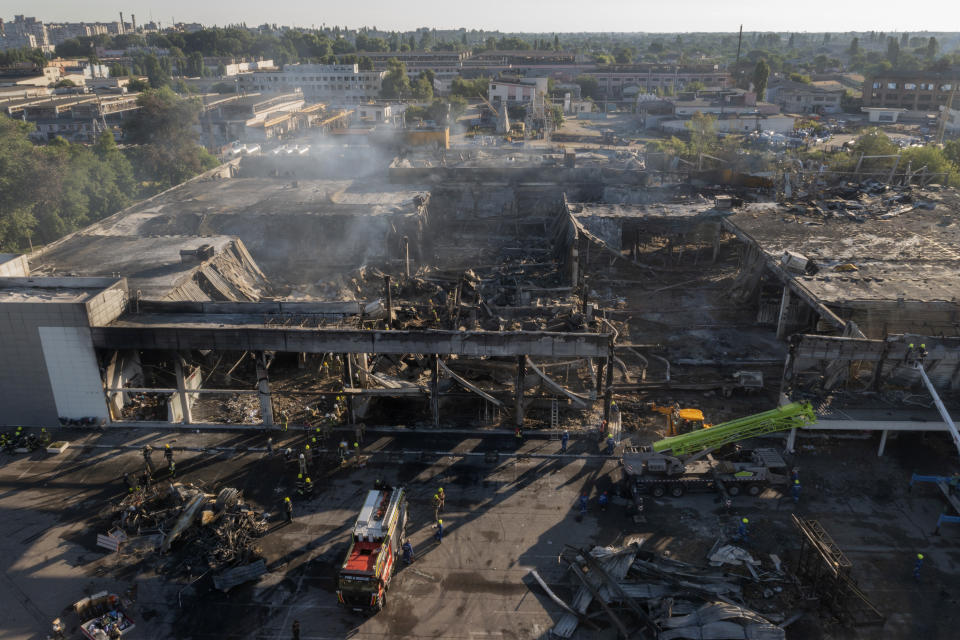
(624, 55)
(195, 66)
(589, 86)
(820, 63)
(703, 135)
(365, 64)
(80, 185)
(469, 89)
(932, 48)
(951, 150)
(854, 47)
(761, 73)
(893, 51)
(422, 88)
(164, 128)
(935, 160)
(396, 84)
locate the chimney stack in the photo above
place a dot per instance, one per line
(133, 22)
(120, 30)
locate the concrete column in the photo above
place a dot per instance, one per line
(347, 384)
(406, 256)
(883, 443)
(435, 389)
(263, 390)
(608, 392)
(182, 389)
(518, 403)
(716, 243)
(784, 309)
(386, 284)
(574, 262)
(599, 362)
(791, 440)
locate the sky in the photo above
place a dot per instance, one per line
(520, 15)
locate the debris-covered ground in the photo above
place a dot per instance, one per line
(503, 519)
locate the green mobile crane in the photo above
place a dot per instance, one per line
(683, 463)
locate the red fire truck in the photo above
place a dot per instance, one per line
(380, 531)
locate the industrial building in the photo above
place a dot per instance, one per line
(337, 84)
(919, 93)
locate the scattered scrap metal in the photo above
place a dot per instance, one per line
(199, 532)
(647, 595)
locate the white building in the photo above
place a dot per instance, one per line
(380, 113)
(335, 84)
(521, 92)
(882, 115)
(800, 97)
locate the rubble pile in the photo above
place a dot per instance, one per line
(667, 598)
(199, 532)
(862, 201)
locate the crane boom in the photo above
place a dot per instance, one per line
(790, 416)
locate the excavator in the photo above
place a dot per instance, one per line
(679, 420)
(683, 463)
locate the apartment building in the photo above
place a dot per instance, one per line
(335, 84)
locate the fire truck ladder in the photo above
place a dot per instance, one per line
(790, 416)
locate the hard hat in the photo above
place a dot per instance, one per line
(168, 445)
(919, 556)
(609, 435)
(439, 521)
(745, 521)
(299, 476)
(923, 346)
(436, 495)
(309, 480)
(796, 482)
(286, 499)
(911, 345)
(441, 489)
(355, 444)
(313, 440)
(307, 447)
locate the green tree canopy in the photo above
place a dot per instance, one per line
(761, 73)
(163, 128)
(396, 84)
